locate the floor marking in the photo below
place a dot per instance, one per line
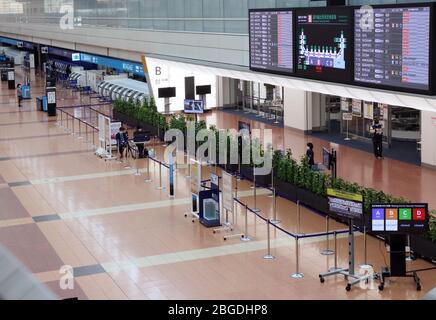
(62, 153)
(25, 122)
(124, 208)
(36, 137)
(86, 176)
(206, 253)
(136, 207)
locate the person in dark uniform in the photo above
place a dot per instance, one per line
(310, 154)
(377, 138)
(140, 137)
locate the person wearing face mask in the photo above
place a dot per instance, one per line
(122, 138)
(377, 138)
(310, 154)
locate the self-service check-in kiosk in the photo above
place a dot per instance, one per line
(51, 101)
(11, 79)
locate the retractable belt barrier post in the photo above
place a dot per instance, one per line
(268, 256)
(255, 209)
(160, 187)
(298, 217)
(246, 237)
(275, 220)
(148, 178)
(297, 274)
(327, 251)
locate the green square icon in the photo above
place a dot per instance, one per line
(406, 214)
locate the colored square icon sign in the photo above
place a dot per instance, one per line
(419, 214)
(405, 214)
(378, 219)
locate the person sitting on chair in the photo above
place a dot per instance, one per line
(122, 138)
(140, 137)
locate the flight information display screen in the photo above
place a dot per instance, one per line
(271, 41)
(323, 44)
(400, 218)
(394, 51)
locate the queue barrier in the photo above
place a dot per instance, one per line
(296, 236)
(77, 127)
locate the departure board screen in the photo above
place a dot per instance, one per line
(271, 41)
(394, 51)
(324, 38)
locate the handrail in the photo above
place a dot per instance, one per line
(85, 106)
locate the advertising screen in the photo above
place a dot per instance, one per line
(194, 106)
(345, 204)
(169, 92)
(324, 36)
(400, 218)
(271, 40)
(394, 49)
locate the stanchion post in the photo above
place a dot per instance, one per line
(365, 251)
(236, 188)
(297, 274)
(327, 251)
(408, 257)
(298, 217)
(275, 221)
(268, 256)
(188, 176)
(255, 209)
(160, 187)
(148, 178)
(246, 237)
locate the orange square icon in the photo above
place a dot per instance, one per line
(391, 214)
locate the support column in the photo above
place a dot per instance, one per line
(428, 136)
(298, 109)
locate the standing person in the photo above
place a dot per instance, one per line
(122, 138)
(140, 137)
(310, 154)
(68, 71)
(19, 94)
(377, 138)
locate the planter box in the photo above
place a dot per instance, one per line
(313, 201)
(423, 247)
(285, 190)
(131, 122)
(247, 173)
(125, 119)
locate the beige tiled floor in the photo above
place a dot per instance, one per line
(150, 250)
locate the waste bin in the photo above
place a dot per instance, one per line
(44, 103)
(38, 104)
(4, 75)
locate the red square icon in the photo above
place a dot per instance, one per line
(419, 214)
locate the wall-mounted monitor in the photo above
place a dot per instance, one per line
(194, 106)
(324, 42)
(202, 90)
(271, 40)
(75, 57)
(169, 92)
(394, 52)
(400, 218)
